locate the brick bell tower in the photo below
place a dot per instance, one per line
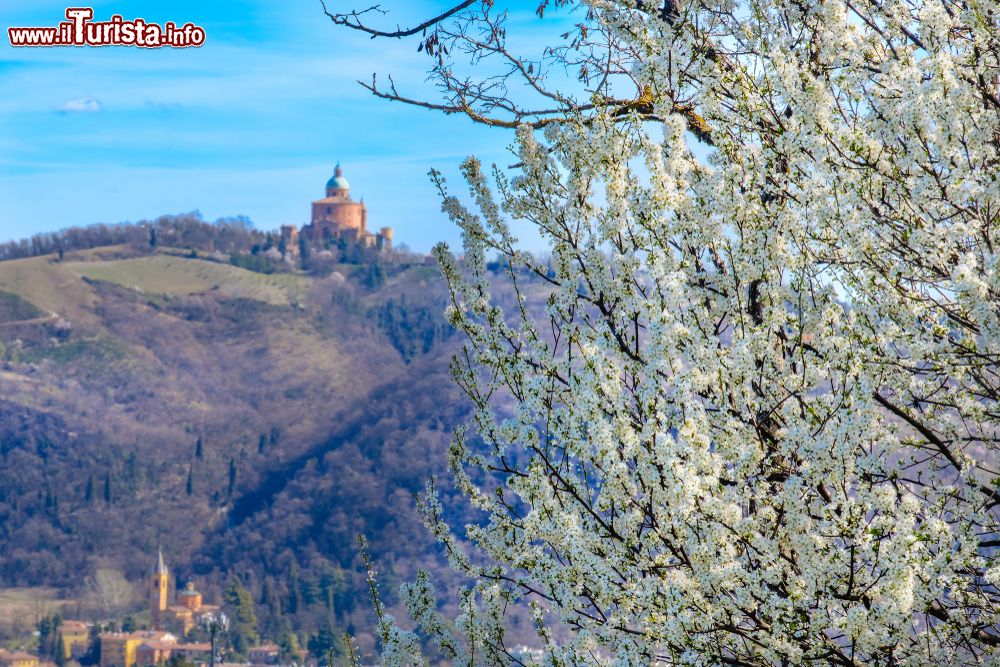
(159, 580)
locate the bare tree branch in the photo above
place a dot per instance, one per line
(352, 20)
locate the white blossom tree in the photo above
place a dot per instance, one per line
(108, 592)
(756, 420)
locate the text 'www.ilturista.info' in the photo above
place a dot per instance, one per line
(81, 30)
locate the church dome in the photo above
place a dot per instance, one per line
(189, 590)
(338, 182)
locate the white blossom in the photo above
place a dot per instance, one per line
(754, 417)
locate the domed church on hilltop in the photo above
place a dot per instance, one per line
(337, 215)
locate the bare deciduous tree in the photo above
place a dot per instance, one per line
(109, 592)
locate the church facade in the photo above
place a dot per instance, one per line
(187, 608)
(337, 215)
(170, 623)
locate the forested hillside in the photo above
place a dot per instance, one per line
(252, 423)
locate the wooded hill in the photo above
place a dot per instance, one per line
(252, 423)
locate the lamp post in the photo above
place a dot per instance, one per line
(213, 623)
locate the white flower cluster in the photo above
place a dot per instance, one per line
(756, 389)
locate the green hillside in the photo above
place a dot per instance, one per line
(58, 286)
(166, 274)
(44, 284)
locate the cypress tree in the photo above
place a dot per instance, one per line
(324, 641)
(45, 630)
(289, 642)
(244, 620)
(189, 487)
(303, 250)
(294, 590)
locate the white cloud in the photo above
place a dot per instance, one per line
(81, 105)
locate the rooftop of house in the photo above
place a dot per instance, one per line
(153, 644)
(194, 646)
(16, 655)
(147, 635)
(74, 626)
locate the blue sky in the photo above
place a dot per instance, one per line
(249, 124)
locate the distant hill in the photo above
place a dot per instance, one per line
(252, 424)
